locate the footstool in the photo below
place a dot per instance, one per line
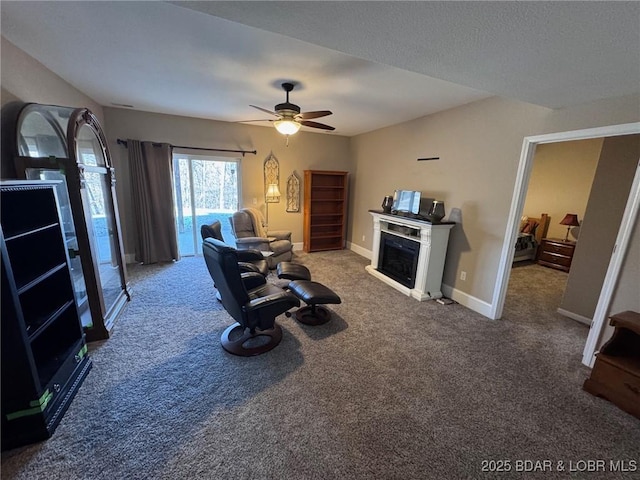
(314, 294)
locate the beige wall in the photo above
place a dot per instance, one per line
(26, 79)
(479, 146)
(614, 175)
(560, 182)
(306, 150)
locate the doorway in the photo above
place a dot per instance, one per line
(560, 184)
(207, 188)
(622, 238)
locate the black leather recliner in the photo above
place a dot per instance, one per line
(252, 302)
(251, 260)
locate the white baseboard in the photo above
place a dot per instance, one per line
(363, 252)
(472, 303)
(298, 246)
(574, 316)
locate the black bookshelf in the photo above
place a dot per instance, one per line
(44, 354)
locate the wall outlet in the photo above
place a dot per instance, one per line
(463, 275)
(363, 238)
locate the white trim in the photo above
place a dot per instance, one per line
(611, 278)
(473, 303)
(515, 212)
(574, 316)
(363, 252)
(297, 246)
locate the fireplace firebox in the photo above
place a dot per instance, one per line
(398, 258)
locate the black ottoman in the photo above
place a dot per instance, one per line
(293, 271)
(314, 294)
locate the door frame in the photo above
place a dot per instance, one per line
(622, 240)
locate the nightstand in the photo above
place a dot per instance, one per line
(616, 373)
(556, 253)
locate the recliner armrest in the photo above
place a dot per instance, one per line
(256, 243)
(281, 301)
(252, 280)
(246, 267)
(279, 234)
(249, 255)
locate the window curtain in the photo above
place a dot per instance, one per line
(152, 192)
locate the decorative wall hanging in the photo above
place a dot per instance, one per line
(293, 193)
(271, 177)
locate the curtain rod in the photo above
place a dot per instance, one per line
(155, 144)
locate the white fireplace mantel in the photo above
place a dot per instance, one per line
(433, 239)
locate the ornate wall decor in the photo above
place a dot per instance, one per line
(293, 193)
(271, 176)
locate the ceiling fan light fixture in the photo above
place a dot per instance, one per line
(287, 126)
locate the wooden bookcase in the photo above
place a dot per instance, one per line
(325, 210)
(44, 354)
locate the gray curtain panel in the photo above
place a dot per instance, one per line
(152, 192)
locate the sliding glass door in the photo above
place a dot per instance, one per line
(207, 188)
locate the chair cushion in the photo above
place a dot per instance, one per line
(242, 225)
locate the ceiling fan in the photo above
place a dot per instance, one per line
(290, 119)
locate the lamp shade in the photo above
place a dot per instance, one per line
(286, 126)
(273, 191)
(571, 220)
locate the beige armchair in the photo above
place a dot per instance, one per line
(249, 228)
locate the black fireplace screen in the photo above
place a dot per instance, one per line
(398, 258)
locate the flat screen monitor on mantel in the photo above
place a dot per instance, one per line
(406, 201)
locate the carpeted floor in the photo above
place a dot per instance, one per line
(391, 388)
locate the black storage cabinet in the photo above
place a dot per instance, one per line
(44, 354)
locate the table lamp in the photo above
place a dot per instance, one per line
(570, 220)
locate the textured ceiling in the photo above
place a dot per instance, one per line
(553, 54)
(372, 63)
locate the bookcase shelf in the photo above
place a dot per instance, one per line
(325, 210)
(44, 357)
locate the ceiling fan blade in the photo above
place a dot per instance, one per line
(318, 114)
(307, 123)
(257, 120)
(265, 110)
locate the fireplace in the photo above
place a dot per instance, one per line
(398, 258)
(408, 254)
